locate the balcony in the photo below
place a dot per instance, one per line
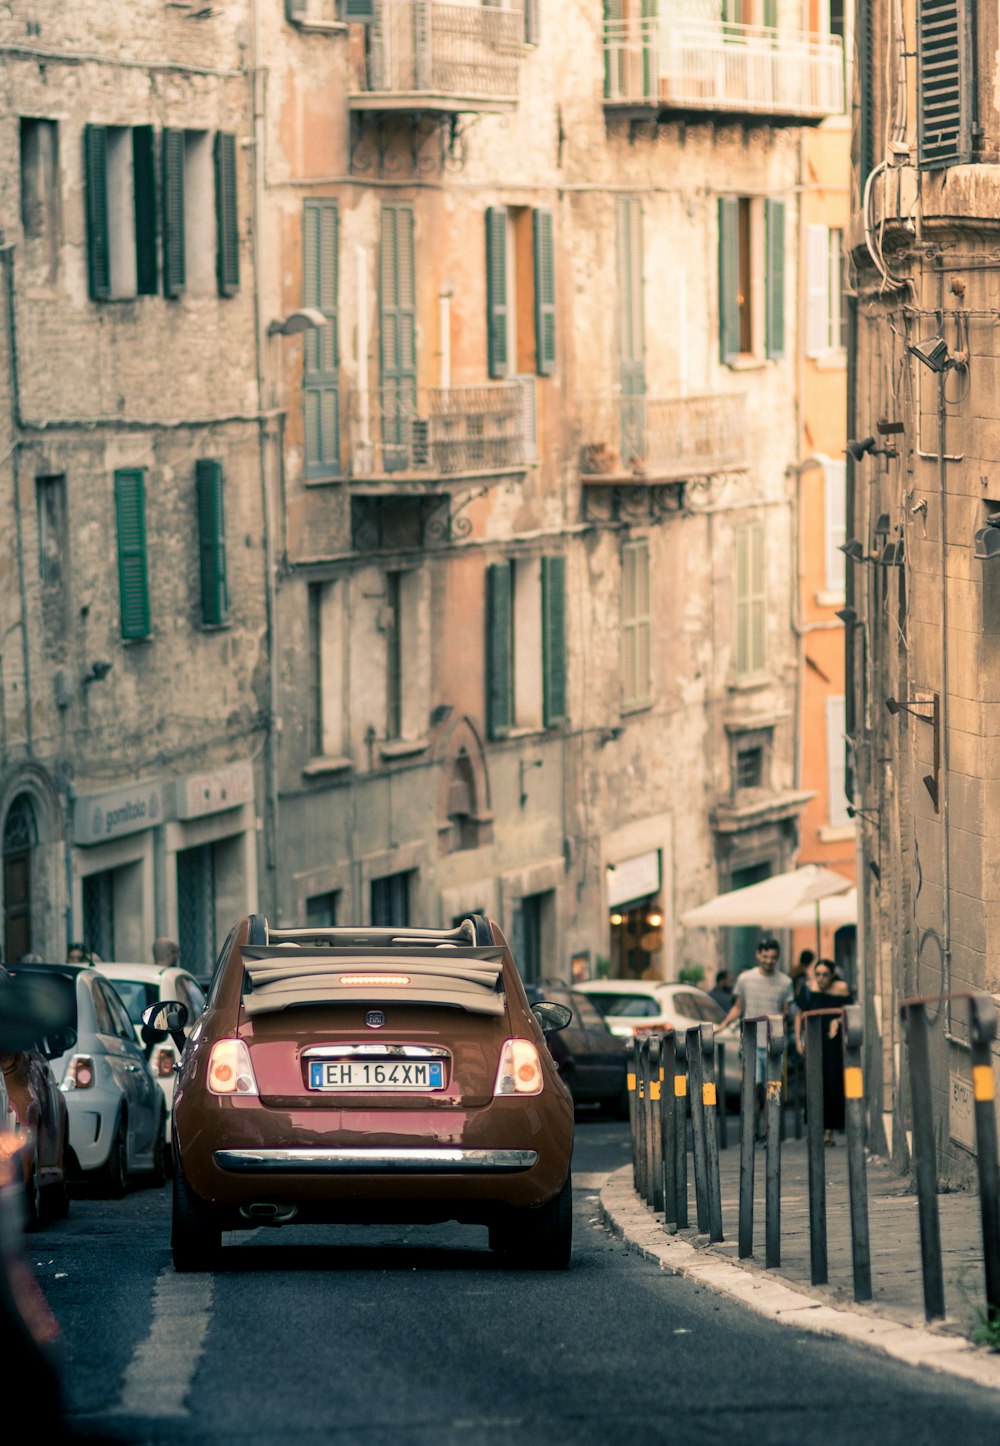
(692, 71)
(402, 434)
(426, 56)
(636, 441)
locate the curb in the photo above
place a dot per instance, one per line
(633, 1221)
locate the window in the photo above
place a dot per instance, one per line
(631, 328)
(227, 254)
(390, 901)
(211, 542)
(835, 504)
(321, 381)
(121, 211)
(836, 762)
(520, 291)
(321, 910)
(826, 313)
(133, 580)
(751, 277)
(188, 222)
(636, 624)
(394, 644)
(750, 768)
(750, 603)
(945, 83)
(50, 494)
(526, 646)
(40, 198)
(325, 663)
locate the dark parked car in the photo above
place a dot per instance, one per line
(40, 1110)
(590, 1059)
(370, 1074)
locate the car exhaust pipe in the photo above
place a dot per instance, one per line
(264, 1212)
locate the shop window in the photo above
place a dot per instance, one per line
(636, 938)
(196, 890)
(99, 914)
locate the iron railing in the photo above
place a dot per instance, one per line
(440, 432)
(716, 67)
(430, 50)
(662, 439)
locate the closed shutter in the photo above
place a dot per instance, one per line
(554, 640)
(133, 579)
(545, 294)
(211, 541)
(499, 650)
(359, 12)
(835, 479)
(836, 753)
(144, 185)
(172, 162)
(864, 47)
(496, 290)
(729, 278)
(771, 14)
(321, 379)
(95, 150)
(631, 328)
(774, 227)
(226, 215)
(636, 624)
(398, 333)
(945, 83)
(818, 338)
(614, 49)
(532, 22)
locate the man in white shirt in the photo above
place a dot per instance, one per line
(764, 989)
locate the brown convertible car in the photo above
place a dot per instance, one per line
(370, 1074)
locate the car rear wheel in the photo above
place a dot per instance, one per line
(195, 1239)
(112, 1177)
(538, 1239)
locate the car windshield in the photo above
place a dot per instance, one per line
(136, 996)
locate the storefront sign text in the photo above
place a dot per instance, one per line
(204, 793)
(121, 811)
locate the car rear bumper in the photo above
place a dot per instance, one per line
(365, 1162)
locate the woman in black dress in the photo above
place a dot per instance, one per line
(829, 993)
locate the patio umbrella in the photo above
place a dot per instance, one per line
(833, 910)
(773, 903)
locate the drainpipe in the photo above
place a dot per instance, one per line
(944, 778)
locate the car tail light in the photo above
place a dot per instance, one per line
(164, 1062)
(80, 1073)
(520, 1069)
(229, 1069)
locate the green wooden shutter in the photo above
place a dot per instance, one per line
(144, 183)
(95, 151)
(945, 83)
(211, 541)
(359, 12)
(321, 380)
(631, 328)
(545, 294)
(532, 22)
(729, 278)
(397, 333)
(554, 640)
(133, 579)
(172, 165)
(499, 650)
(496, 290)
(614, 49)
(771, 14)
(226, 215)
(774, 228)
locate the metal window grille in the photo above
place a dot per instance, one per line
(196, 907)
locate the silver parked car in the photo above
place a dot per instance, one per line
(117, 1113)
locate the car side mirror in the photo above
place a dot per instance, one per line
(170, 1015)
(152, 1036)
(551, 1016)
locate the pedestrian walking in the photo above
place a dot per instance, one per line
(166, 953)
(764, 989)
(830, 992)
(723, 991)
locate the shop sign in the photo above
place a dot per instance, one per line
(121, 811)
(961, 1112)
(634, 878)
(204, 793)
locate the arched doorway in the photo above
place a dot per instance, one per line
(20, 837)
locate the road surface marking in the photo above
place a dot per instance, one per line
(159, 1376)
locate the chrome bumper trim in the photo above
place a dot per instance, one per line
(373, 1162)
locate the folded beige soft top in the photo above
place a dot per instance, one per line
(462, 978)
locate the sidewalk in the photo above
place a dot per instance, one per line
(893, 1321)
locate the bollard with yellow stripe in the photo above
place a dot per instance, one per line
(854, 1085)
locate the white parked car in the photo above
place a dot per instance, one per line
(141, 985)
(643, 1006)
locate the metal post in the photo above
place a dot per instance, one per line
(696, 1080)
(925, 1156)
(748, 1054)
(854, 1126)
(710, 1096)
(720, 1080)
(815, 1025)
(630, 1077)
(772, 1197)
(668, 1128)
(982, 1032)
(681, 1129)
(655, 1195)
(643, 1132)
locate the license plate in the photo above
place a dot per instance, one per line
(360, 1075)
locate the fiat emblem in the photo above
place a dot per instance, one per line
(375, 1018)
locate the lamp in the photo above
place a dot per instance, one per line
(847, 615)
(859, 447)
(306, 318)
(853, 812)
(852, 548)
(987, 539)
(98, 672)
(934, 354)
(882, 525)
(893, 554)
(931, 780)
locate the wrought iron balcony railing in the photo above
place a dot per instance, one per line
(655, 439)
(433, 432)
(428, 55)
(715, 68)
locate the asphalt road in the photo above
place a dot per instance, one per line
(384, 1335)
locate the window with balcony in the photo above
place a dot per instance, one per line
(520, 291)
(826, 311)
(751, 278)
(637, 679)
(321, 351)
(525, 645)
(749, 601)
